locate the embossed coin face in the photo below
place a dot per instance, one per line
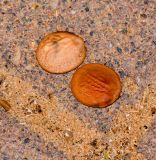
(60, 52)
(96, 85)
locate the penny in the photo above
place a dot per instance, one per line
(60, 52)
(96, 85)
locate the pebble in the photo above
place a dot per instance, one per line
(119, 50)
(87, 9)
(110, 45)
(146, 1)
(124, 31)
(73, 12)
(122, 74)
(116, 61)
(94, 143)
(91, 33)
(68, 134)
(27, 140)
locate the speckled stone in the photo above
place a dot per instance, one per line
(120, 34)
(18, 142)
(148, 143)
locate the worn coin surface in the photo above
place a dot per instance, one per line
(60, 52)
(96, 85)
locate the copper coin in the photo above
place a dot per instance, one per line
(60, 52)
(96, 85)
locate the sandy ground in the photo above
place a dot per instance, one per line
(44, 121)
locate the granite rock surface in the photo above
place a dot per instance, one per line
(45, 121)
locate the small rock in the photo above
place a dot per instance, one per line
(153, 110)
(91, 33)
(133, 50)
(122, 74)
(94, 143)
(2, 78)
(87, 9)
(5, 158)
(124, 31)
(143, 15)
(35, 6)
(27, 140)
(146, 1)
(119, 50)
(5, 104)
(68, 134)
(116, 61)
(126, 49)
(73, 12)
(38, 108)
(110, 45)
(154, 42)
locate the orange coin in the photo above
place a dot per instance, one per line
(96, 85)
(60, 52)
